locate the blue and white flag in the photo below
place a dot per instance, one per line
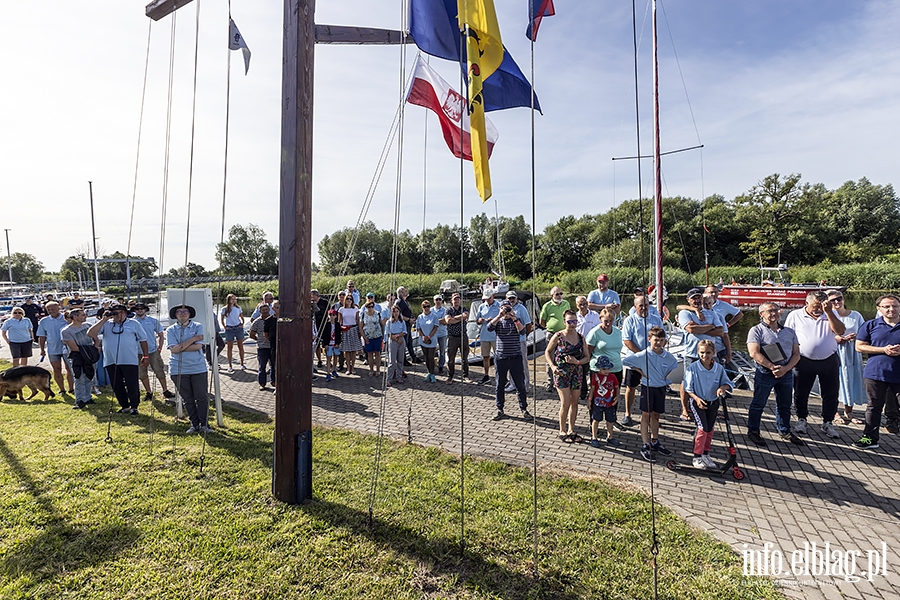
(236, 42)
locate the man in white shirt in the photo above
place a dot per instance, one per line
(816, 324)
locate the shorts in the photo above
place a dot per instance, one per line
(20, 349)
(632, 378)
(234, 334)
(600, 413)
(486, 348)
(156, 364)
(55, 357)
(653, 399)
(332, 351)
(373, 345)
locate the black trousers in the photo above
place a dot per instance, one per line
(882, 397)
(124, 382)
(828, 370)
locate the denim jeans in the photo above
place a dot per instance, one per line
(83, 385)
(265, 358)
(763, 383)
(441, 352)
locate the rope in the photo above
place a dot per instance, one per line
(463, 337)
(534, 319)
(396, 126)
(187, 232)
(654, 549)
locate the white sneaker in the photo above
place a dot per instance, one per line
(699, 463)
(710, 463)
(800, 426)
(830, 431)
(230, 370)
(510, 387)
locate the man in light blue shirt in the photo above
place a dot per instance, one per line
(603, 297)
(49, 333)
(634, 339)
(441, 311)
(698, 324)
(487, 310)
(268, 298)
(124, 348)
(154, 332)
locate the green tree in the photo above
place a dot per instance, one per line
(74, 265)
(25, 268)
(781, 215)
(369, 252)
(863, 221)
(119, 270)
(191, 270)
(247, 252)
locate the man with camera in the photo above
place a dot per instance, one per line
(508, 359)
(124, 349)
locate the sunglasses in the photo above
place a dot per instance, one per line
(571, 322)
(558, 294)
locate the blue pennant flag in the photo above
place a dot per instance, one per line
(434, 27)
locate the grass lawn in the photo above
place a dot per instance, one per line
(83, 518)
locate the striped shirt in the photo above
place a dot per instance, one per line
(507, 338)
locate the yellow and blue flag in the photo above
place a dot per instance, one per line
(484, 53)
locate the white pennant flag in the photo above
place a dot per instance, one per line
(236, 41)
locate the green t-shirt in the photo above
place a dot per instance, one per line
(552, 315)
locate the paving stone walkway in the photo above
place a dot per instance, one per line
(791, 497)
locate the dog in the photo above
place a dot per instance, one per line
(12, 381)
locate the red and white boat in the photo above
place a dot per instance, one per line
(769, 289)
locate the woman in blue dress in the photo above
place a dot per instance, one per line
(852, 391)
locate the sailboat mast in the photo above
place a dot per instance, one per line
(657, 179)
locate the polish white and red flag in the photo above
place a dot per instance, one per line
(428, 89)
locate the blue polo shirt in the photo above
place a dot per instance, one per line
(487, 313)
(151, 328)
(635, 328)
(691, 340)
(607, 297)
(659, 366)
(424, 325)
(704, 382)
(880, 367)
(440, 313)
(523, 316)
(185, 363)
(122, 342)
(18, 330)
(51, 328)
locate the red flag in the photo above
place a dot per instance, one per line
(428, 89)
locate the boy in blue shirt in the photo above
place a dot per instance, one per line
(654, 364)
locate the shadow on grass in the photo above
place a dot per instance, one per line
(442, 559)
(60, 546)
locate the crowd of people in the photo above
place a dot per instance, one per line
(118, 346)
(594, 351)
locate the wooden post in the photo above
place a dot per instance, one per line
(294, 354)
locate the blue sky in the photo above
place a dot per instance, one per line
(789, 87)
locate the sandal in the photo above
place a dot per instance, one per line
(840, 419)
(565, 438)
(858, 421)
(576, 439)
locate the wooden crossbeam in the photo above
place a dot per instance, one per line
(340, 34)
(158, 9)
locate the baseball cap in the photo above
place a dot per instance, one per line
(511, 294)
(487, 294)
(602, 277)
(370, 295)
(693, 292)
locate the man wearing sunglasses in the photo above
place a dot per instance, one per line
(124, 349)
